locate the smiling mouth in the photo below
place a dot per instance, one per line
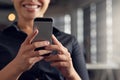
(31, 6)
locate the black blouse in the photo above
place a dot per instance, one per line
(10, 40)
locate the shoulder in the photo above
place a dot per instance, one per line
(7, 37)
(3, 37)
(4, 40)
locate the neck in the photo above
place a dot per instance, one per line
(26, 26)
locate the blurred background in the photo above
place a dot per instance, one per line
(96, 25)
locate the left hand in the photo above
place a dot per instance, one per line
(62, 60)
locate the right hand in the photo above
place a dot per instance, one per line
(27, 56)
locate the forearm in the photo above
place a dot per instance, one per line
(10, 72)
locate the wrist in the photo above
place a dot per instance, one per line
(73, 76)
(17, 67)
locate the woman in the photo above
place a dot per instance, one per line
(22, 62)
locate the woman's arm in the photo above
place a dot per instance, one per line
(79, 60)
(10, 72)
(73, 76)
(25, 59)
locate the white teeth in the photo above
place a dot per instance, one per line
(31, 6)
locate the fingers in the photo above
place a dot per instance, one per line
(40, 53)
(55, 41)
(39, 44)
(57, 46)
(58, 57)
(59, 60)
(28, 49)
(62, 59)
(30, 38)
(31, 46)
(60, 50)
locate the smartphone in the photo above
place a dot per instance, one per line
(45, 28)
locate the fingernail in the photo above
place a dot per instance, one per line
(47, 43)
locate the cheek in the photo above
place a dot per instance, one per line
(45, 1)
(48, 1)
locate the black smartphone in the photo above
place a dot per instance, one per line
(44, 25)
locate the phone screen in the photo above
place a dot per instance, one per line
(44, 25)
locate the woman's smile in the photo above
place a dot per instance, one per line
(32, 6)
